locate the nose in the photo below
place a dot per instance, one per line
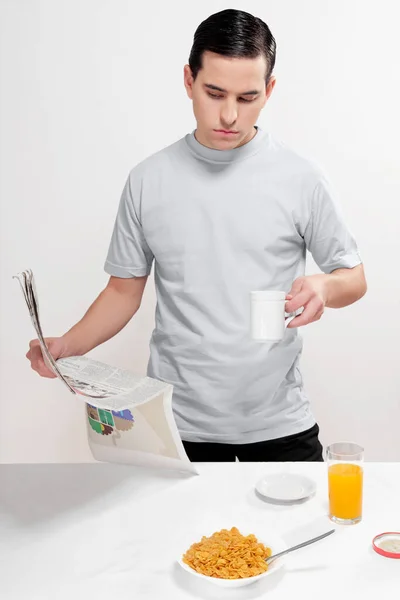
(228, 113)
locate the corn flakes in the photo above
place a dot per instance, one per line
(227, 554)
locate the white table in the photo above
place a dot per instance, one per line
(113, 532)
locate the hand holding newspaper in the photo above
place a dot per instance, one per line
(129, 418)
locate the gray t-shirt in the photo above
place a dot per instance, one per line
(219, 224)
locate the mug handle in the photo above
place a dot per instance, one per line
(290, 317)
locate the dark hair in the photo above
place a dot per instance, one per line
(233, 33)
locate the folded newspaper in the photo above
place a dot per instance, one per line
(129, 418)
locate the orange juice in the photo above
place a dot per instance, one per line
(345, 490)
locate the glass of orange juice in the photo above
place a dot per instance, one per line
(345, 482)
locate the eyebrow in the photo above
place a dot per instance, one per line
(218, 89)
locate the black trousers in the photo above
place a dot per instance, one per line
(304, 446)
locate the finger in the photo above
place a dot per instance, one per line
(312, 312)
(296, 286)
(42, 370)
(46, 373)
(305, 319)
(316, 317)
(298, 301)
(36, 354)
(37, 364)
(319, 315)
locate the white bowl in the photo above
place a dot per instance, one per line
(275, 543)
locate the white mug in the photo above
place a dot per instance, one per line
(268, 321)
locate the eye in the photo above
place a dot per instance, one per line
(247, 99)
(214, 95)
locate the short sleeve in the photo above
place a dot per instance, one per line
(128, 253)
(326, 235)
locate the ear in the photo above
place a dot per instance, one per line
(269, 88)
(188, 81)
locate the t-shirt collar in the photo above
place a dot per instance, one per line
(225, 156)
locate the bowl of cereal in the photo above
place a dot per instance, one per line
(229, 558)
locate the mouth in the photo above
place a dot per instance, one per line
(226, 132)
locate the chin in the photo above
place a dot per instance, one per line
(225, 144)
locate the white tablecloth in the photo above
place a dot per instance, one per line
(113, 532)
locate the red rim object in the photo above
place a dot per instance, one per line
(380, 550)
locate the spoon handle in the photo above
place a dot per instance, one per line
(306, 543)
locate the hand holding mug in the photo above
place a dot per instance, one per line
(309, 293)
(274, 310)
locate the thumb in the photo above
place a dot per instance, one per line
(56, 347)
(296, 287)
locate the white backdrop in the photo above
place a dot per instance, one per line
(88, 89)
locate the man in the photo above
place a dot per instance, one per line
(223, 211)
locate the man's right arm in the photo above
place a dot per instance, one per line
(108, 314)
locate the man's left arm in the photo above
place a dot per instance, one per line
(335, 251)
(317, 292)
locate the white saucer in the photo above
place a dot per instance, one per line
(284, 488)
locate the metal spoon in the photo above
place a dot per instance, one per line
(306, 543)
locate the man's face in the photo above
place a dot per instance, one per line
(228, 95)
